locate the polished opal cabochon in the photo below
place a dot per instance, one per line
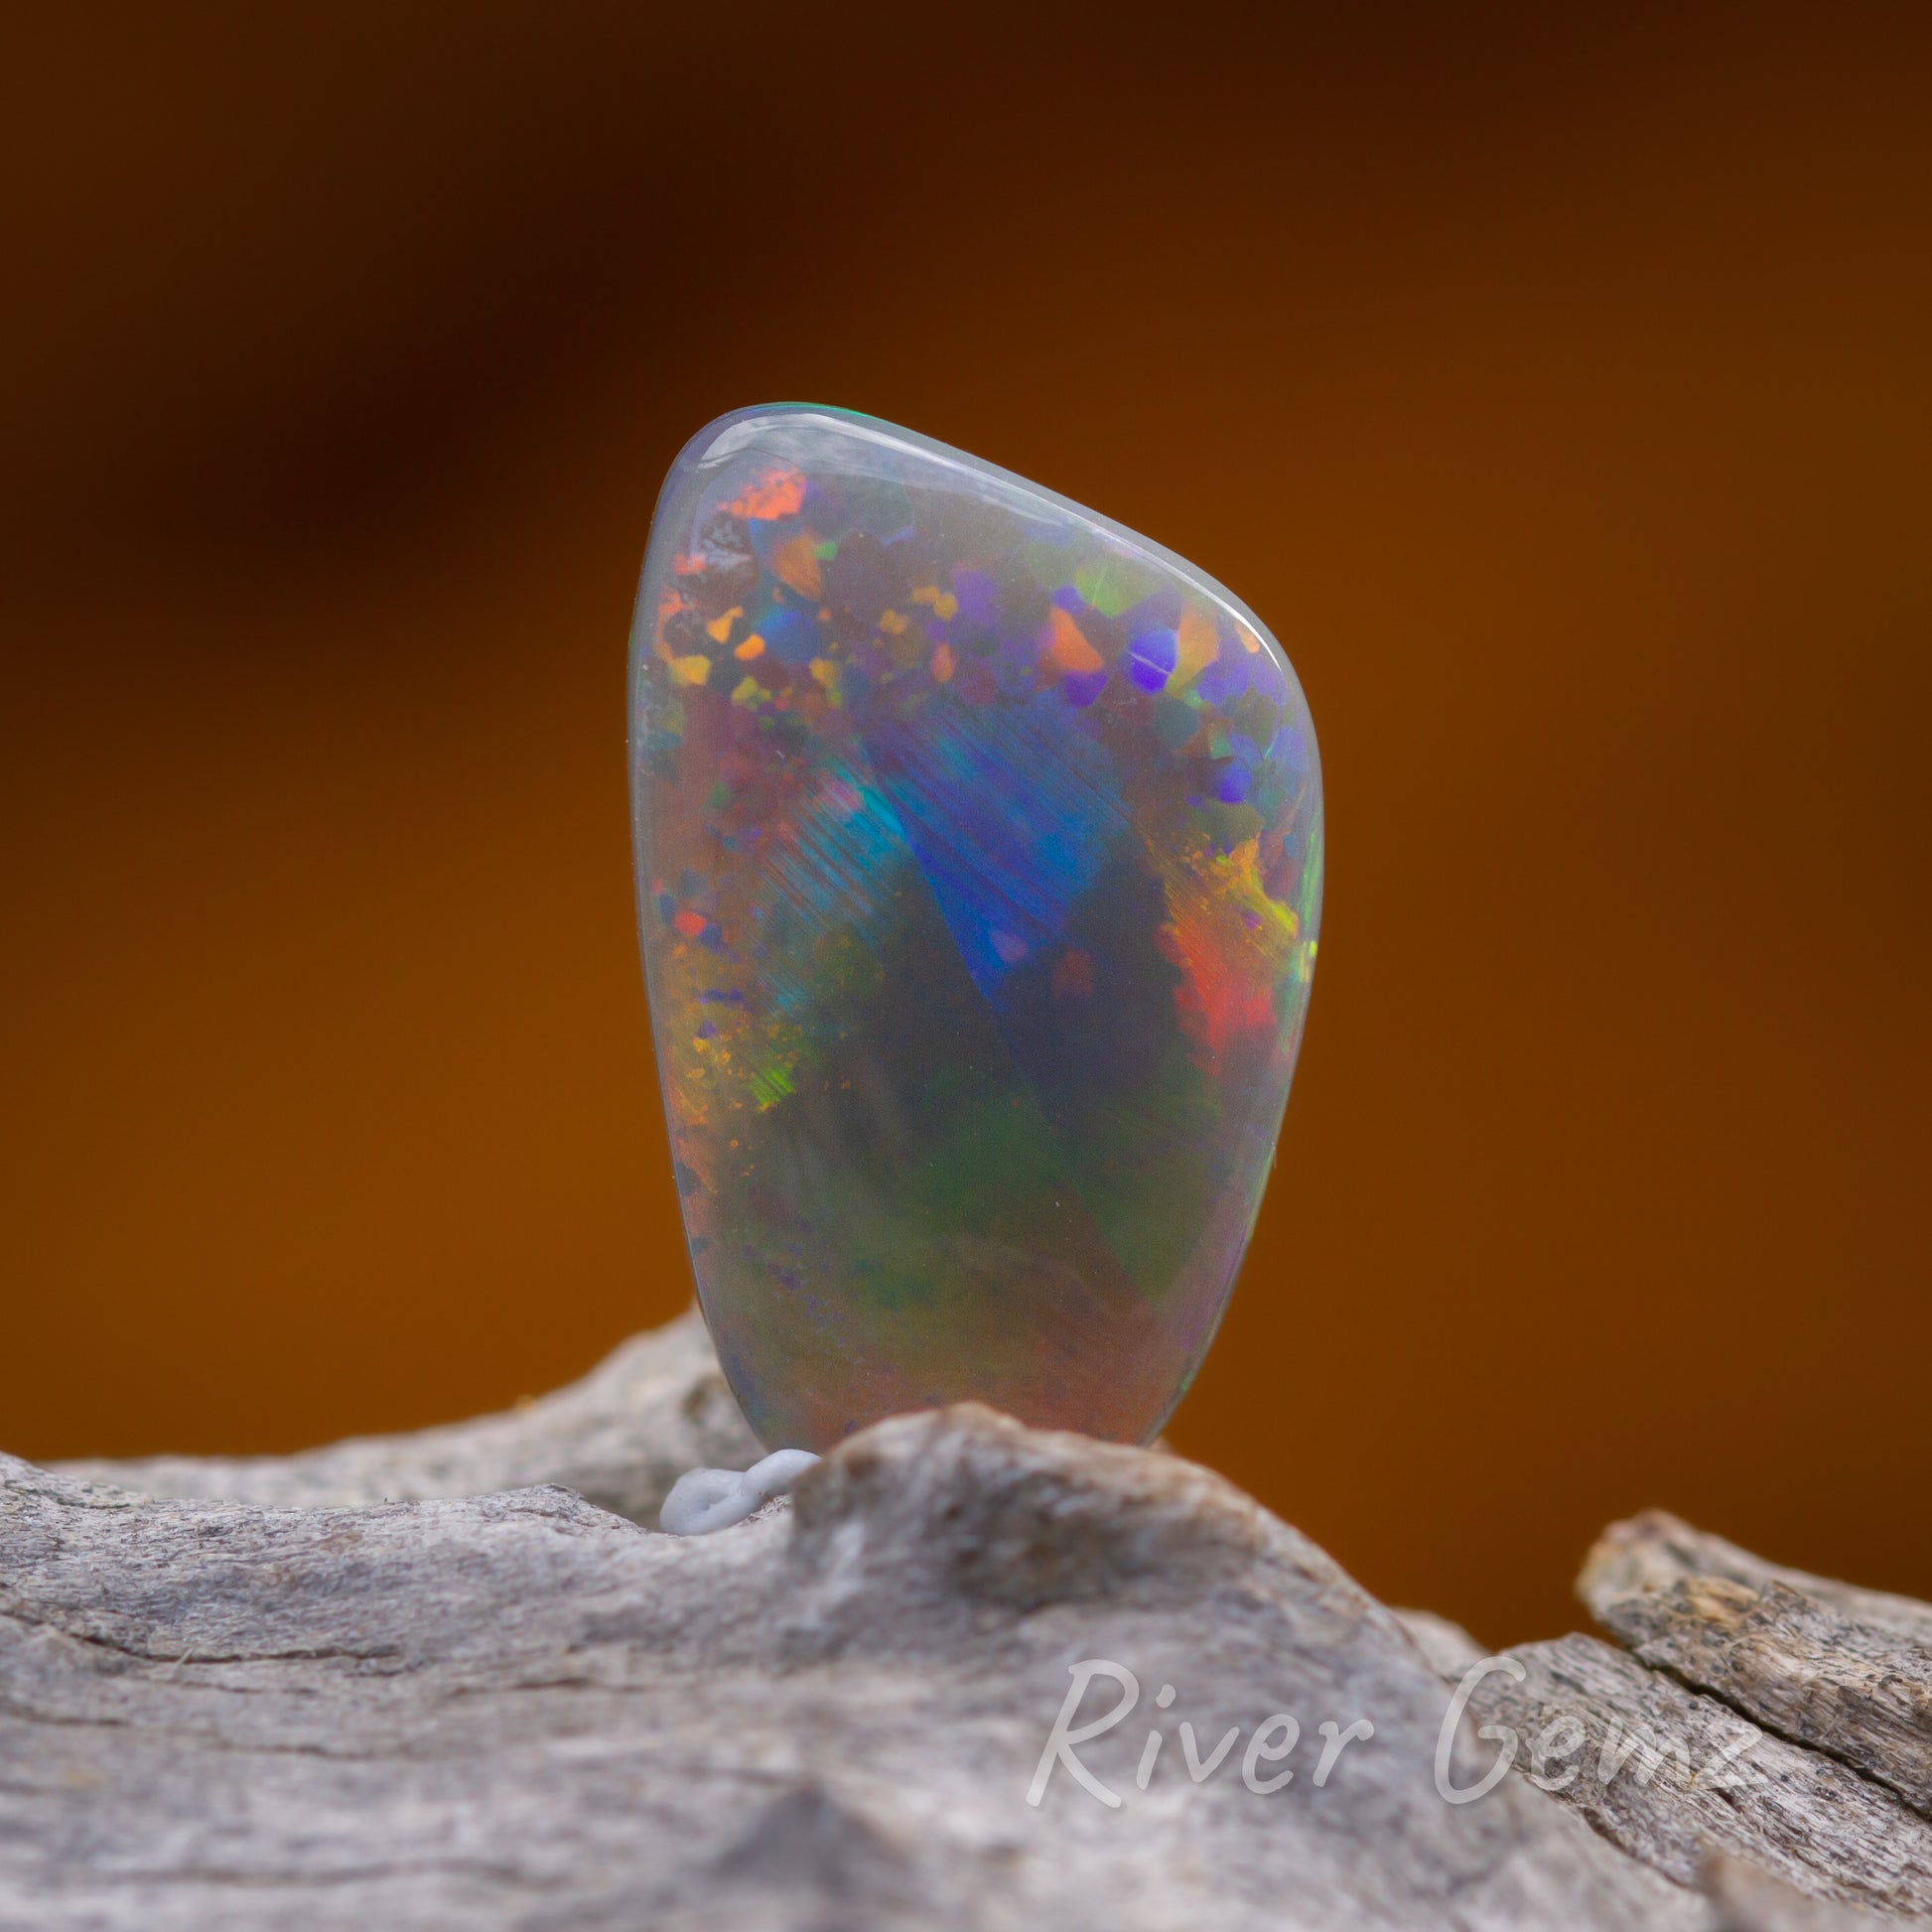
(979, 870)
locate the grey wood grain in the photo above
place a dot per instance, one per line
(518, 1710)
(1845, 1671)
(1673, 1776)
(447, 1680)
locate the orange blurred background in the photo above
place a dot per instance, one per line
(1555, 386)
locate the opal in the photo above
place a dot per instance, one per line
(979, 873)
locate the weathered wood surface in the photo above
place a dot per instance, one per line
(519, 1710)
(1673, 1776)
(1655, 1549)
(1845, 1671)
(356, 1687)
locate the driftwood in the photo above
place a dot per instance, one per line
(355, 1687)
(1845, 1671)
(1673, 1776)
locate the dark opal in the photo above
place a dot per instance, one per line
(979, 866)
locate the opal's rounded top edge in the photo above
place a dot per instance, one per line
(801, 430)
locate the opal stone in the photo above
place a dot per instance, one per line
(979, 869)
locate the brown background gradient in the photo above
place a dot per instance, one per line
(1557, 388)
